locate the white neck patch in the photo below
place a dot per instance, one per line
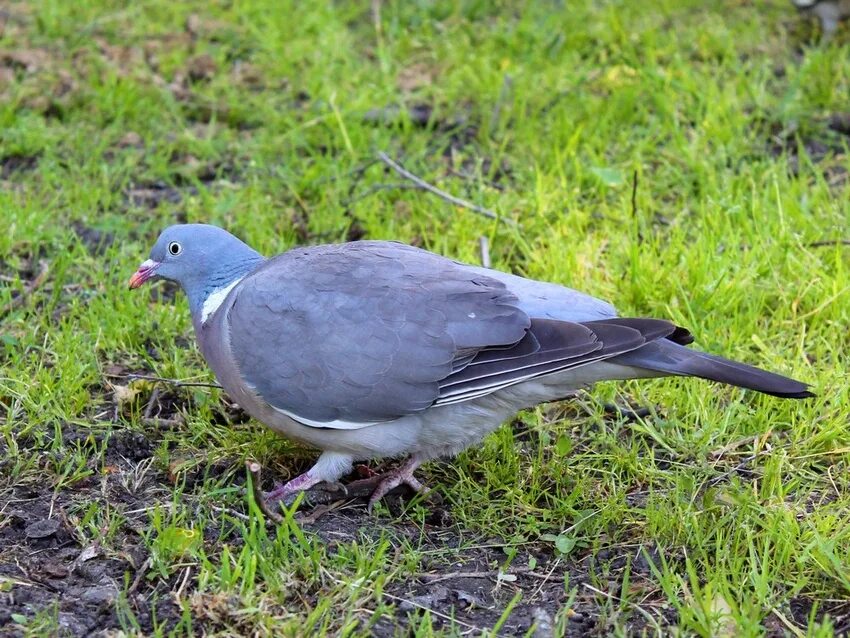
(215, 299)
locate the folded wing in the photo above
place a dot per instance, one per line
(360, 333)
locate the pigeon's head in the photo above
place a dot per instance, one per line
(199, 257)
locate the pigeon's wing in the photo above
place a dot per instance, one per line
(553, 346)
(352, 334)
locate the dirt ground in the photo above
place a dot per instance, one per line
(52, 570)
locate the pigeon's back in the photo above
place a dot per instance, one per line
(539, 299)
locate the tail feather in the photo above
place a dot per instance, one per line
(670, 358)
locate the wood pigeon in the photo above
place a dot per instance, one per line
(377, 349)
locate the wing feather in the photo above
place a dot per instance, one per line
(344, 336)
(364, 332)
(562, 346)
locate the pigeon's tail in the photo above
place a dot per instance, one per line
(668, 357)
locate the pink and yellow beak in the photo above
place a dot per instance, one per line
(145, 272)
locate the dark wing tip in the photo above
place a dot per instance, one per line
(773, 384)
(794, 394)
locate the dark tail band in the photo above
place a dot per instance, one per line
(668, 357)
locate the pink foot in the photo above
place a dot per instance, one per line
(402, 475)
(298, 484)
(328, 468)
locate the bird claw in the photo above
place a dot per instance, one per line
(316, 494)
(393, 479)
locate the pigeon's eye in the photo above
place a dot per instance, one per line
(174, 248)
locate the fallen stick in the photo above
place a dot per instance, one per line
(152, 402)
(173, 382)
(457, 201)
(140, 574)
(255, 471)
(829, 242)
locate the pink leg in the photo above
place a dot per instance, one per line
(402, 475)
(299, 483)
(328, 468)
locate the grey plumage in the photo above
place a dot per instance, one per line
(369, 328)
(372, 349)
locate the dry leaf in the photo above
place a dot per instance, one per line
(124, 394)
(92, 551)
(127, 393)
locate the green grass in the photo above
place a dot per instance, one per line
(721, 513)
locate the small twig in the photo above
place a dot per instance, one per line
(230, 512)
(30, 288)
(545, 579)
(140, 574)
(180, 589)
(484, 245)
(791, 626)
(37, 580)
(255, 471)
(829, 242)
(457, 201)
(496, 574)
(173, 382)
(164, 424)
(832, 480)
(16, 581)
(316, 514)
(436, 578)
(152, 402)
